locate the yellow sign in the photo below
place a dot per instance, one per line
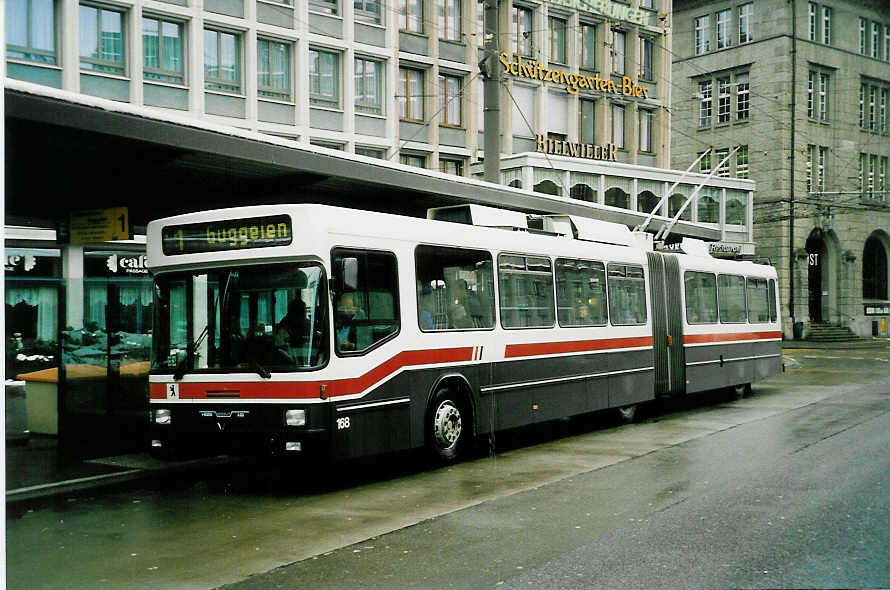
(100, 225)
(572, 82)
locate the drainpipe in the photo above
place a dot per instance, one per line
(791, 281)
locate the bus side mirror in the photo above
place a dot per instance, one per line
(349, 274)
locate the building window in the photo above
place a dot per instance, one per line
(646, 46)
(821, 164)
(273, 69)
(811, 20)
(882, 179)
(619, 51)
(368, 86)
(811, 152)
(323, 6)
(370, 152)
(410, 95)
(724, 38)
(645, 117)
(705, 90)
(324, 78)
(367, 11)
(826, 25)
(872, 174)
(746, 13)
(449, 19)
(741, 162)
(411, 16)
(449, 100)
(588, 46)
(162, 50)
(722, 162)
(650, 4)
(618, 125)
(222, 61)
(723, 100)
(413, 160)
(522, 30)
(875, 40)
(31, 31)
(587, 118)
(883, 116)
(862, 160)
(704, 165)
(823, 97)
(451, 166)
(702, 34)
(331, 145)
(102, 40)
(887, 43)
(862, 91)
(558, 40)
(872, 118)
(811, 93)
(743, 97)
(863, 24)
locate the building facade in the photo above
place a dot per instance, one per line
(390, 80)
(803, 90)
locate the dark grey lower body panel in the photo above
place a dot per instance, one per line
(715, 366)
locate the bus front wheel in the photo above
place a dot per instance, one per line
(447, 427)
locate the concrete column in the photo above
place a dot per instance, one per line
(72, 276)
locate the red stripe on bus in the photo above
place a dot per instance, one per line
(539, 348)
(312, 389)
(706, 338)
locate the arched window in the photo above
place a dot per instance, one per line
(516, 183)
(582, 192)
(548, 187)
(675, 202)
(874, 269)
(616, 197)
(646, 202)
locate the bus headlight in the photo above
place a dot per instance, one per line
(295, 417)
(161, 416)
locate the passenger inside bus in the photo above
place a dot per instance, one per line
(347, 314)
(459, 315)
(290, 332)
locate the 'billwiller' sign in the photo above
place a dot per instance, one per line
(228, 234)
(556, 147)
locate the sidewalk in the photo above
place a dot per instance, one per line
(861, 344)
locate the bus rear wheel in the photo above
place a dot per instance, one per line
(447, 427)
(627, 414)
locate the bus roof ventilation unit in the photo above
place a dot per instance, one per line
(480, 215)
(589, 230)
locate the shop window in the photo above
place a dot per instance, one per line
(32, 309)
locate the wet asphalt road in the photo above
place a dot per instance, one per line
(788, 488)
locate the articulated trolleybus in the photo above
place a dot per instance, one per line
(309, 329)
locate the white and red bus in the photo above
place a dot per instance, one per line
(313, 329)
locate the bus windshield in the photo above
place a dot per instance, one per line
(249, 318)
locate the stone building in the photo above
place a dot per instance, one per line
(803, 90)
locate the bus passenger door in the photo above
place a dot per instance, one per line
(667, 326)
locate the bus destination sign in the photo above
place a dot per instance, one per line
(224, 235)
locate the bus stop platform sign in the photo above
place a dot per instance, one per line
(100, 225)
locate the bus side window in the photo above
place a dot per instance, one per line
(773, 315)
(758, 300)
(580, 292)
(731, 298)
(455, 289)
(526, 291)
(369, 314)
(627, 295)
(701, 297)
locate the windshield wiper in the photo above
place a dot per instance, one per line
(181, 367)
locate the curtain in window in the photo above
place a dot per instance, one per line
(511, 175)
(172, 50)
(279, 77)
(542, 174)
(47, 302)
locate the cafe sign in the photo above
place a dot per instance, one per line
(574, 82)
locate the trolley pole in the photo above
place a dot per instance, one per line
(491, 72)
